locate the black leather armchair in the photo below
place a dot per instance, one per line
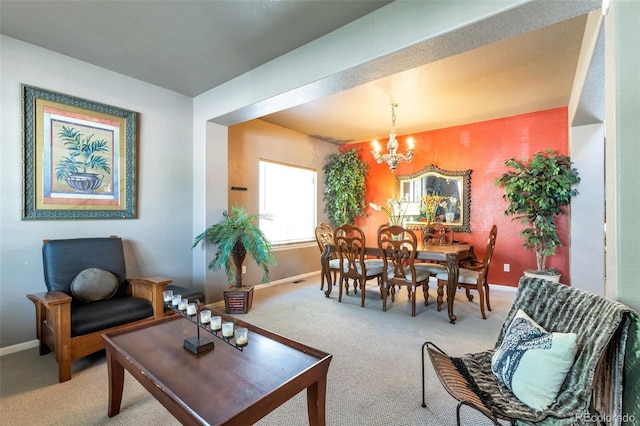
(88, 295)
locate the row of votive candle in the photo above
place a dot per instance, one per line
(215, 322)
(179, 303)
(239, 334)
(206, 318)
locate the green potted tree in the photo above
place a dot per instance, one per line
(235, 236)
(345, 184)
(537, 191)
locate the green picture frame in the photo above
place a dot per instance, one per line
(79, 158)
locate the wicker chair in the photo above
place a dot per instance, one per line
(594, 383)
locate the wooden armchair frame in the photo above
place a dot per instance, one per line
(53, 322)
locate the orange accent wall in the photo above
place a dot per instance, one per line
(482, 147)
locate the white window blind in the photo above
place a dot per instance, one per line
(288, 198)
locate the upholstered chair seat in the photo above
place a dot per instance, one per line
(95, 316)
(465, 276)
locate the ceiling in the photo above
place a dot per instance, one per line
(191, 47)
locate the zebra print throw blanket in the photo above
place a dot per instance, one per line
(602, 326)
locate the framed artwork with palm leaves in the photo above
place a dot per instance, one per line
(79, 158)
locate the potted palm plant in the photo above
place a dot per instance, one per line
(235, 236)
(538, 191)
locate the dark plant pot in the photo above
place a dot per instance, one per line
(85, 182)
(238, 300)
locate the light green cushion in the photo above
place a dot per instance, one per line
(93, 284)
(466, 276)
(421, 274)
(334, 264)
(532, 362)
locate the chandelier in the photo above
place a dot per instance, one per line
(392, 158)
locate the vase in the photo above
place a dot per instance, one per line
(396, 220)
(84, 182)
(449, 217)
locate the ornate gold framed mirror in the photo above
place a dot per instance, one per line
(437, 195)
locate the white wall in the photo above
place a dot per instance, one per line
(623, 151)
(158, 242)
(587, 260)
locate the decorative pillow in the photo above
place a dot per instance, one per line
(93, 284)
(532, 362)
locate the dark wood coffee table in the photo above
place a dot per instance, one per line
(223, 386)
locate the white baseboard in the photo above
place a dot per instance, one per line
(7, 350)
(506, 288)
(287, 280)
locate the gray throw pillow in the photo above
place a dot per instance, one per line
(93, 284)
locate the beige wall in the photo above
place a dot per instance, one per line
(255, 140)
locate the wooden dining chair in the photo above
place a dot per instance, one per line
(398, 247)
(350, 246)
(324, 236)
(474, 276)
(437, 233)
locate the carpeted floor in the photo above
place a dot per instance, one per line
(374, 377)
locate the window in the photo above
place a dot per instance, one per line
(288, 198)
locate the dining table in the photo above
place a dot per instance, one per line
(449, 255)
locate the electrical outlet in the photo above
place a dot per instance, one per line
(507, 267)
(244, 269)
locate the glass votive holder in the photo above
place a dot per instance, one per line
(167, 296)
(240, 335)
(175, 300)
(205, 316)
(191, 309)
(216, 323)
(227, 329)
(183, 304)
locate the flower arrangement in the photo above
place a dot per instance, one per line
(396, 210)
(431, 203)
